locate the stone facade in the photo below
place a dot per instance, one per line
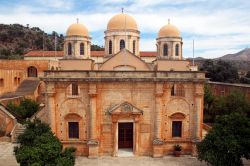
(106, 99)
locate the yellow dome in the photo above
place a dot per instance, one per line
(169, 31)
(122, 21)
(77, 30)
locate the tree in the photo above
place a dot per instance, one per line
(25, 109)
(227, 142)
(220, 71)
(38, 146)
(209, 99)
(236, 101)
(96, 48)
(248, 74)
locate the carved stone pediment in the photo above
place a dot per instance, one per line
(125, 108)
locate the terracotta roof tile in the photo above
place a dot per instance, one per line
(97, 53)
(44, 54)
(148, 54)
(93, 54)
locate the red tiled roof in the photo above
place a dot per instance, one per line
(97, 53)
(93, 54)
(148, 53)
(45, 54)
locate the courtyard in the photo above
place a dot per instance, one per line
(8, 159)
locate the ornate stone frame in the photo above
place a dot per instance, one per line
(125, 112)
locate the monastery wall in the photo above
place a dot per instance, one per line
(10, 79)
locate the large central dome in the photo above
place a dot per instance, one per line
(122, 21)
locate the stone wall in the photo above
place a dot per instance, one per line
(98, 109)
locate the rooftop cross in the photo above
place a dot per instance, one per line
(122, 9)
(168, 21)
(77, 20)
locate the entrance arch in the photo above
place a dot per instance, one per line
(32, 71)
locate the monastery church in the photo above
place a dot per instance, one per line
(105, 102)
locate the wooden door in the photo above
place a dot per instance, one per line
(125, 135)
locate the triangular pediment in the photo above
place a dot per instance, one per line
(125, 61)
(125, 108)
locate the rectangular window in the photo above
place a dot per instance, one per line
(73, 129)
(176, 128)
(1, 82)
(74, 89)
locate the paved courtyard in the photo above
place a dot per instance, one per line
(7, 159)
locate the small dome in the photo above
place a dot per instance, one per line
(122, 21)
(77, 30)
(169, 31)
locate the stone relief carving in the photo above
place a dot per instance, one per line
(126, 107)
(93, 142)
(158, 141)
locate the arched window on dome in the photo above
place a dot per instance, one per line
(82, 49)
(69, 49)
(133, 46)
(165, 50)
(122, 44)
(177, 50)
(110, 47)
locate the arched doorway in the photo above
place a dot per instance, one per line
(32, 71)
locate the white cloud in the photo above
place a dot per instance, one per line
(215, 32)
(57, 4)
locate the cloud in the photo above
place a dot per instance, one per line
(216, 27)
(57, 4)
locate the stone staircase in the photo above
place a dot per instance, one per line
(27, 87)
(18, 129)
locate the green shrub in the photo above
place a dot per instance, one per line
(39, 146)
(25, 109)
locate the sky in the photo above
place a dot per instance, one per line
(218, 27)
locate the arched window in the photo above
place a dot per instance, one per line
(81, 49)
(32, 71)
(110, 47)
(178, 90)
(122, 44)
(69, 49)
(177, 50)
(134, 47)
(165, 50)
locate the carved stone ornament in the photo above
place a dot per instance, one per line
(158, 141)
(93, 142)
(126, 107)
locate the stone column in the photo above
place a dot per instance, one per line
(93, 141)
(50, 92)
(157, 142)
(136, 132)
(197, 113)
(115, 137)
